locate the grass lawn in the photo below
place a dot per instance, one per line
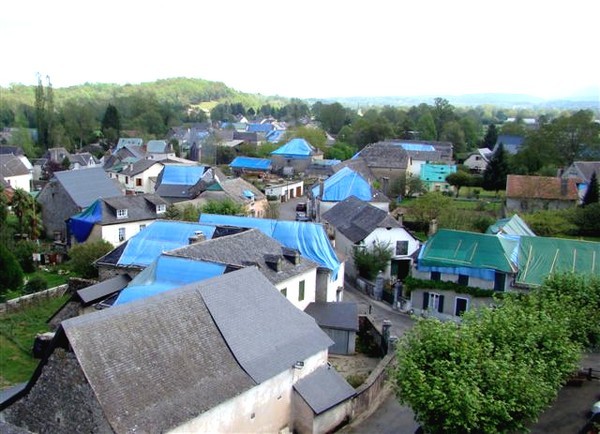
(17, 333)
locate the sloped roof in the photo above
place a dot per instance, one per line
(157, 146)
(308, 238)
(587, 168)
(246, 248)
(296, 147)
(139, 207)
(356, 219)
(265, 332)
(136, 167)
(180, 181)
(143, 248)
(335, 315)
(510, 143)
(513, 225)
(541, 187)
(420, 151)
(161, 361)
(450, 248)
(250, 163)
(384, 155)
(126, 141)
(84, 186)
(11, 165)
(539, 257)
(103, 289)
(344, 184)
(83, 159)
(323, 389)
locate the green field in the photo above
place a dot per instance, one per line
(17, 333)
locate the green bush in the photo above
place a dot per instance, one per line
(35, 284)
(11, 276)
(83, 255)
(24, 253)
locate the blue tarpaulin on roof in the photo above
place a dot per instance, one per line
(80, 225)
(182, 175)
(275, 136)
(161, 236)
(295, 148)
(167, 273)
(259, 128)
(250, 163)
(344, 184)
(417, 147)
(309, 239)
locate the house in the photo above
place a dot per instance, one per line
(145, 247)
(358, 224)
(221, 355)
(137, 177)
(285, 190)
(340, 186)
(293, 275)
(116, 219)
(17, 171)
(159, 150)
(512, 144)
(340, 321)
(177, 183)
(581, 172)
(70, 192)
(15, 150)
(321, 168)
(386, 162)
(477, 161)
(434, 176)
(419, 154)
(252, 200)
(250, 165)
(309, 239)
(535, 193)
(82, 160)
(125, 142)
(294, 157)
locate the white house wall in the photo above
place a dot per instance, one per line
(110, 233)
(285, 191)
(20, 181)
(292, 287)
(266, 407)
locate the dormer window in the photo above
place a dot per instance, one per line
(161, 208)
(121, 213)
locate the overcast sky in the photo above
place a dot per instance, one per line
(309, 48)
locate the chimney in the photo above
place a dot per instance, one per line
(433, 227)
(291, 255)
(384, 184)
(198, 237)
(400, 218)
(564, 186)
(274, 262)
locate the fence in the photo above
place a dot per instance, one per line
(26, 300)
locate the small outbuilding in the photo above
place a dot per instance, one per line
(340, 321)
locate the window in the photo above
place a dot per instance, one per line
(121, 234)
(433, 302)
(436, 275)
(460, 306)
(142, 227)
(121, 213)
(401, 248)
(138, 182)
(301, 291)
(463, 280)
(161, 208)
(127, 180)
(284, 292)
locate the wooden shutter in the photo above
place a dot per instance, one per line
(441, 304)
(425, 300)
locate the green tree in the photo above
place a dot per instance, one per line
(11, 277)
(315, 136)
(458, 180)
(370, 261)
(491, 137)
(340, 151)
(494, 176)
(333, 117)
(79, 121)
(591, 194)
(442, 113)
(82, 257)
(111, 124)
(22, 204)
(173, 213)
(426, 127)
(224, 207)
(414, 186)
(430, 206)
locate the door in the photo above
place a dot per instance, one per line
(460, 306)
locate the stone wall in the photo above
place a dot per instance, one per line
(17, 304)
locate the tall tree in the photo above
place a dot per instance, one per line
(426, 126)
(591, 194)
(494, 176)
(459, 179)
(491, 137)
(332, 117)
(442, 113)
(111, 124)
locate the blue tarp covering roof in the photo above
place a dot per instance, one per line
(275, 136)
(510, 226)
(166, 273)
(295, 148)
(161, 236)
(309, 239)
(81, 225)
(344, 184)
(250, 163)
(182, 175)
(259, 128)
(417, 147)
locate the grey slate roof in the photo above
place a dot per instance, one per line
(265, 332)
(161, 361)
(11, 165)
(587, 168)
(83, 159)
(324, 388)
(103, 289)
(86, 185)
(138, 167)
(335, 315)
(386, 155)
(139, 207)
(243, 249)
(356, 219)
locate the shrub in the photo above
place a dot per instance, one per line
(35, 284)
(83, 255)
(11, 277)
(24, 253)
